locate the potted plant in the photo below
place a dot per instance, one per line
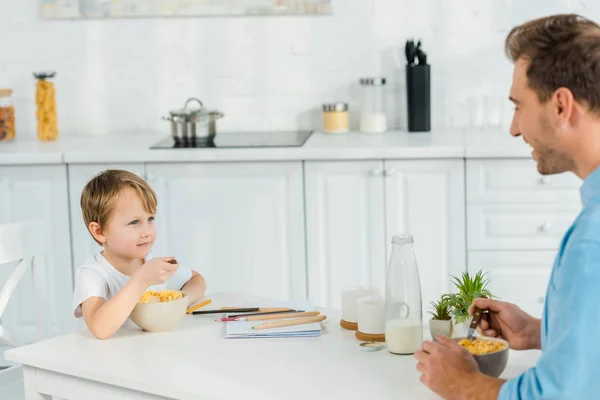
(441, 318)
(469, 288)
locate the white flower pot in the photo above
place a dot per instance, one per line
(437, 327)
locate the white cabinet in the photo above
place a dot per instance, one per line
(84, 245)
(345, 227)
(518, 181)
(426, 199)
(519, 226)
(354, 208)
(239, 224)
(39, 192)
(516, 219)
(519, 277)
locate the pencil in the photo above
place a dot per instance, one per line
(299, 321)
(261, 309)
(260, 317)
(197, 306)
(237, 310)
(263, 313)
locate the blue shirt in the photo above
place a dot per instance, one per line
(570, 329)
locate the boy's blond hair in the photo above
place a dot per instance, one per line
(99, 196)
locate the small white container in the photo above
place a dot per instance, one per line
(373, 118)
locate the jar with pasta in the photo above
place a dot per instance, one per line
(45, 101)
(7, 115)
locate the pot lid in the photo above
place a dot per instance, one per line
(198, 111)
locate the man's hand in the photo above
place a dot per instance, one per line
(156, 271)
(509, 322)
(445, 366)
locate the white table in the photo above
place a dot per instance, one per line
(194, 361)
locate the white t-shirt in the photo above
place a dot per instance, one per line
(98, 278)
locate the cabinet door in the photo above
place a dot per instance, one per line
(520, 277)
(519, 226)
(344, 224)
(241, 225)
(425, 198)
(39, 192)
(84, 245)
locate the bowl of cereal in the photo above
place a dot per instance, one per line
(491, 354)
(160, 311)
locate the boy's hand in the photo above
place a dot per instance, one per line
(157, 271)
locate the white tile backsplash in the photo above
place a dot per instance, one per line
(117, 76)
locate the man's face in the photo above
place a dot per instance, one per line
(532, 120)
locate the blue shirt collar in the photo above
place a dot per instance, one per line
(590, 187)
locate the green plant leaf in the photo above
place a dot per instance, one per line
(469, 288)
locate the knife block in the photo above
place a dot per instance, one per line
(418, 92)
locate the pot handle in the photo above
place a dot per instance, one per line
(193, 99)
(173, 118)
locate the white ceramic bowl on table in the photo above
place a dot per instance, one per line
(159, 317)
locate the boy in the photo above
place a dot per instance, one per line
(118, 208)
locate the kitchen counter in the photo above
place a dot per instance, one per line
(135, 147)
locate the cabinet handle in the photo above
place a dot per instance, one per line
(545, 227)
(376, 172)
(544, 180)
(390, 172)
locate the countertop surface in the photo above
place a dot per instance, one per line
(135, 147)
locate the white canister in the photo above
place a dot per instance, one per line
(373, 118)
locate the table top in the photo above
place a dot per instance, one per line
(195, 361)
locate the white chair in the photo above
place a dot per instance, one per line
(20, 243)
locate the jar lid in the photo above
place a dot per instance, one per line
(44, 74)
(5, 92)
(338, 107)
(370, 346)
(373, 81)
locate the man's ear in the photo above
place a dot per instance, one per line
(97, 232)
(563, 106)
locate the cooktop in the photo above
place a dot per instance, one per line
(237, 140)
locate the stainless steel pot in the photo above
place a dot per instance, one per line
(193, 124)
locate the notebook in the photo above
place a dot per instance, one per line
(243, 329)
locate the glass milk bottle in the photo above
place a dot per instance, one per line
(403, 309)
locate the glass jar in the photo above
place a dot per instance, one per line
(45, 100)
(7, 115)
(403, 309)
(372, 112)
(335, 118)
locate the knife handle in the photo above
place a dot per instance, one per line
(477, 313)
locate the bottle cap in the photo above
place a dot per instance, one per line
(370, 346)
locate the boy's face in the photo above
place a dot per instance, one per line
(130, 231)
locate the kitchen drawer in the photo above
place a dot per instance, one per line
(519, 277)
(518, 181)
(520, 226)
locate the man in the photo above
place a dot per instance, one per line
(556, 92)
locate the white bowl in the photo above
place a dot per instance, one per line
(159, 317)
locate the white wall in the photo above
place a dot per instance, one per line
(120, 76)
